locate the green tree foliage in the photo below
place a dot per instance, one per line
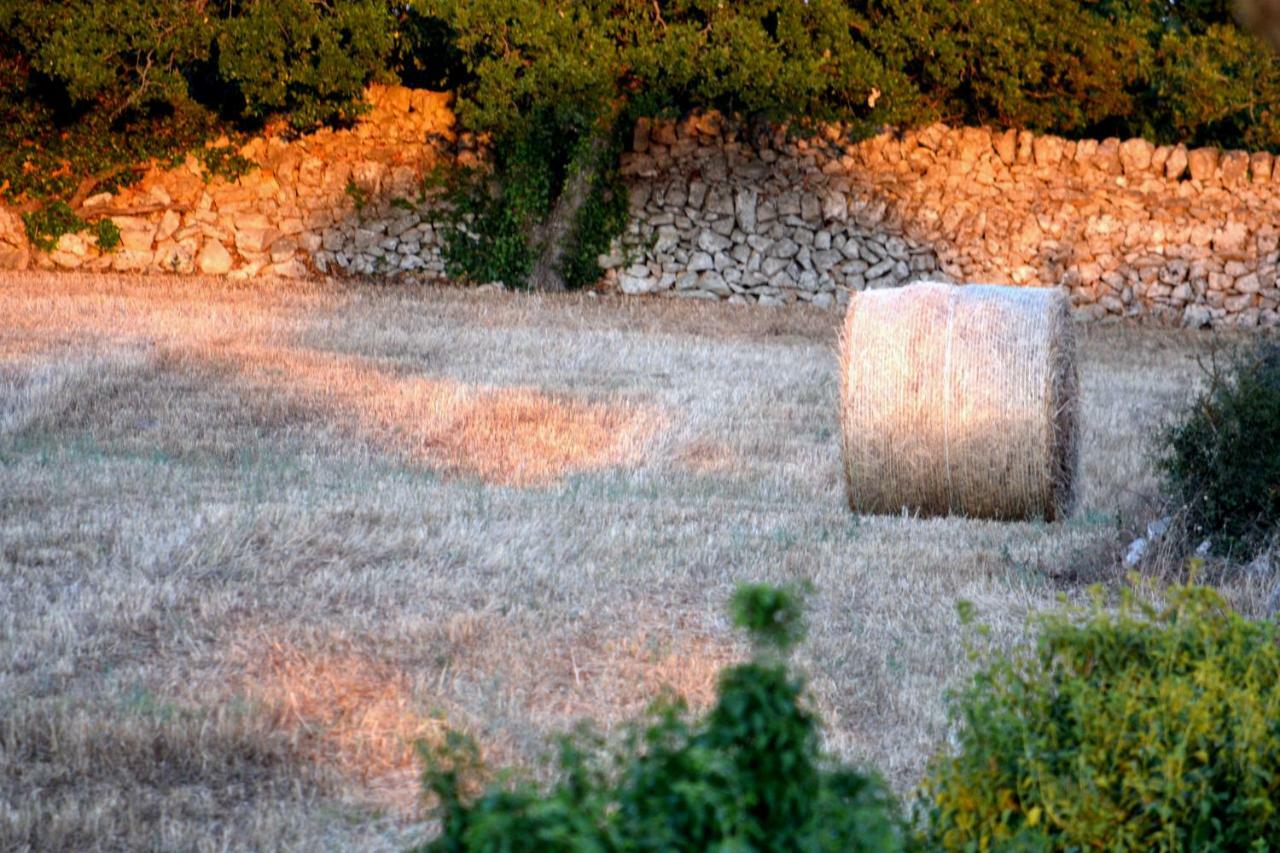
(91, 88)
(1172, 72)
(748, 776)
(1144, 729)
(306, 60)
(1042, 64)
(557, 86)
(585, 70)
(1222, 456)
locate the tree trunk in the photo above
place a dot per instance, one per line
(550, 237)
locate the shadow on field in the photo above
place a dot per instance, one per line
(514, 436)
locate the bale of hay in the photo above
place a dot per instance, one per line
(960, 400)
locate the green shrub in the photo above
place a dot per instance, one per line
(557, 87)
(748, 776)
(602, 218)
(1222, 457)
(46, 225)
(108, 234)
(223, 161)
(1142, 729)
(488, 235)
(359, 195)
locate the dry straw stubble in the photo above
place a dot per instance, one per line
(960, 401)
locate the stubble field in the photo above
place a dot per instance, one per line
(256, 540)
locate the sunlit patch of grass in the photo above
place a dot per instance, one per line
(343, 708)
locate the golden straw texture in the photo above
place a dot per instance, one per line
(959, 401)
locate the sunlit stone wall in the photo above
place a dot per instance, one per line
(1132, 229)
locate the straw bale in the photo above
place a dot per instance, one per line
(960, 401)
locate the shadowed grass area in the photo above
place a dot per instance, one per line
(259, 537)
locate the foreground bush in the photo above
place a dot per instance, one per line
(1223, 455)
(748, 776)
(1138, 730)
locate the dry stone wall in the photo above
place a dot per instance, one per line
(330, 202)
(1131, 229)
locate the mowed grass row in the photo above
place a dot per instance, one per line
(256, 540)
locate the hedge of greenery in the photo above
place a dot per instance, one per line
(90, 88)
(1221, 457)
(1126, 728)
(1142, 729)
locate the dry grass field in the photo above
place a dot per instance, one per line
(255, 540)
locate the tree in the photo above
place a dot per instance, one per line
(91, 90)
(556, 85)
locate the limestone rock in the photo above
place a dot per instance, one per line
(1248, 283)
(713, 282)
(173, 257)
(136, 233)
(1261, 164)
(835, 207)
(784, 248)
(1230, 237)
(744, 206)
(1203, 163)
(973, 143)
(1234, 168)
(1107, 157)
(213, 259)
(1047, 150)
(1006, 146)
(1135, 155)
(130, 260)
(70, 252)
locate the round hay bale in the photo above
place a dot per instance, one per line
(960, 400)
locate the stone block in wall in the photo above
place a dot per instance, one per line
(640, 135)
(1106, 158)
(174, 257)
(1026, 144)
(973, 143)
(1203, 164)
(1234, 168)
(1261, 164)
(1238, 303)
(368, 175)
(1159, 157)
(1230, 238)
(719, 201)
(137, 233)
(255, 238)
(168, 225)
(1006, 146)
(1086, 150)
(131, 260)
(1047, 150)
(71, 251)
(1248, 283)
(1136, 155)
(311, 172)
(1176, 165)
